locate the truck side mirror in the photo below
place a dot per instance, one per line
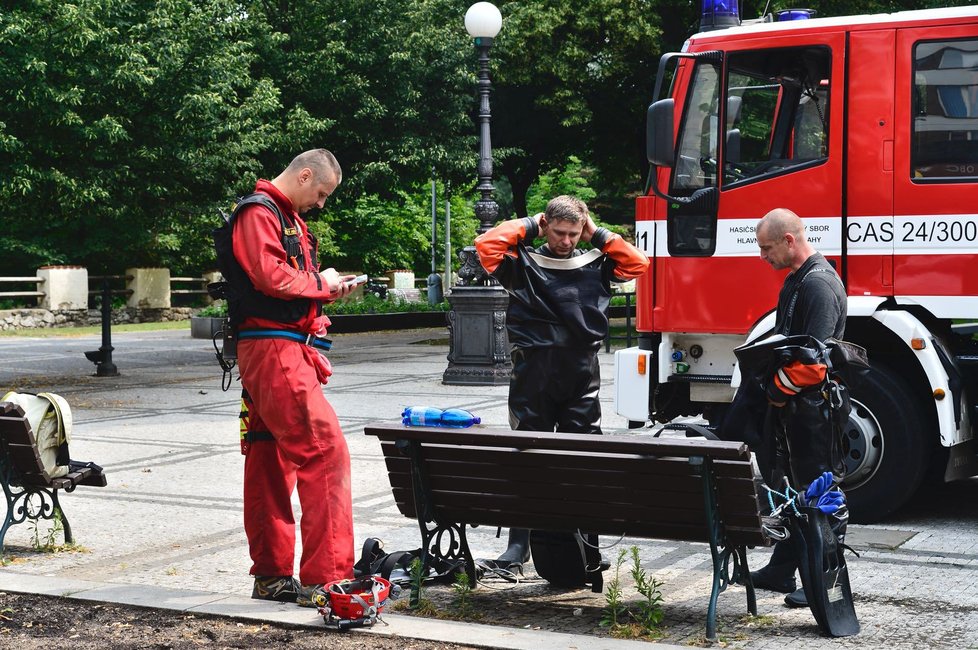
(660, 148)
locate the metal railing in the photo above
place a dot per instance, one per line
(202, 291)
(101, 280)
(22, 294)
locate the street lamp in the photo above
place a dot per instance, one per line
(478, 346)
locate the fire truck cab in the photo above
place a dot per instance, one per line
(867, 128)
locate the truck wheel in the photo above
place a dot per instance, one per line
(886, 450)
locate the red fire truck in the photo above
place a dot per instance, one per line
(867, 127)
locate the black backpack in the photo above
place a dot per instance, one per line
(242, 298)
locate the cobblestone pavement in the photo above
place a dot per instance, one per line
(171, 514)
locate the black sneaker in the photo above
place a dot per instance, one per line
(283, 589)
(768, 579)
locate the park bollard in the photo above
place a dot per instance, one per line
(434, 289)
(102, 358)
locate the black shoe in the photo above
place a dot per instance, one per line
(768, 578)
(284, 589)
(796, 599)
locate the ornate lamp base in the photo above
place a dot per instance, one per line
(479, 347)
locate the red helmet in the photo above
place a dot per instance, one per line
(359, 598)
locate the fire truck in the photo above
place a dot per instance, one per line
(867, 128)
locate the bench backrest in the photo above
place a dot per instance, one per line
(610, 485)
(18, 443)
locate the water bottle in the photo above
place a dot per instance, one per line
(421, 416)
(458, 418)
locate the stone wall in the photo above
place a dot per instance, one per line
(11, 319)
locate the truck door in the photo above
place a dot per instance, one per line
(779, 133)
(936, 169)
(870, 127)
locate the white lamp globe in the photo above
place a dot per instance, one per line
(483, 20)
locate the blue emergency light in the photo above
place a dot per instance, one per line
(794, 14)
(719, 14)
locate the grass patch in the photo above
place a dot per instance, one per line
(49, 332)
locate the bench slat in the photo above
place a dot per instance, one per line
(16, 430)
(560, 460)
(552, 465)
(741, 495)
(564, 441)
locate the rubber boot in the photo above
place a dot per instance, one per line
(779, 574)
(517, 552)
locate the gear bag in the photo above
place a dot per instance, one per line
(396, 567)
(50, 418)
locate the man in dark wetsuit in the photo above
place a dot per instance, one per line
(556, 320)
(813, 302)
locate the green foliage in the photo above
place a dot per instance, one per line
(126, 124)
(119, 121)
(571, 180)
(650, 612)
(615, 607)
(217, 309)
(371, 304)
(378, 235)
(463, 591)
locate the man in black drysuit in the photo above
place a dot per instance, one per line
(798, 422)
(556, 320)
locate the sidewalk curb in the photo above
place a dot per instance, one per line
(238, 607)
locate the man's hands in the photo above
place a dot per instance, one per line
(340, 286)
(589, 228)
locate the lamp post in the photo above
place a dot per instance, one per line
(478, 346)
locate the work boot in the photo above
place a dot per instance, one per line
(312, 596)
(517, 552)
(796, 598)
(283, 589)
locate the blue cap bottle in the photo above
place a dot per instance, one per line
(421, 416)
(458, 418)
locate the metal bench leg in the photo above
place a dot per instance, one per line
(59, 512)
(444, 542)
(741, 575)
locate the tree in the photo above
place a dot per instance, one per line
(121, 123)
(572, 80)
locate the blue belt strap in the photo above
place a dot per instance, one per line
(308, 339)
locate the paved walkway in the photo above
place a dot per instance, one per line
(167, 530)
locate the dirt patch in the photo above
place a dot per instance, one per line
(30, 622)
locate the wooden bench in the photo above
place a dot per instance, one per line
(30, 491)
(692, 490)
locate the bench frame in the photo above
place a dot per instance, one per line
(31, 494)
(445, 541)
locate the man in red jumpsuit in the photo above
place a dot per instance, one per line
(294, 438)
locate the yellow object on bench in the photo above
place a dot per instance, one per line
(31, 486)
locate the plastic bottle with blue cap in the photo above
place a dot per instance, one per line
(430, 416)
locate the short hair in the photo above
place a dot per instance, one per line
(780, 222)
(566, 208)
(319, 161)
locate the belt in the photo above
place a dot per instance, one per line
(308, 339)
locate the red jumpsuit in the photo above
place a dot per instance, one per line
(284, 380)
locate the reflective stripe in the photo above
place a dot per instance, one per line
(786, 383)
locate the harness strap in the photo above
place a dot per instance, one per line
(308, 339)
(259, 436)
